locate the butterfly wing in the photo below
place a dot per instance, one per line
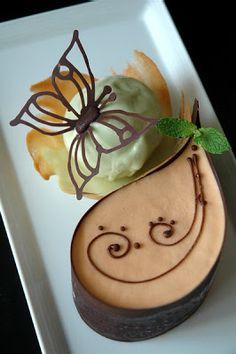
(65, 70)
(79, 175)
(116, 122)
(41, 118)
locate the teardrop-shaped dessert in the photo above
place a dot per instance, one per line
(143, 258)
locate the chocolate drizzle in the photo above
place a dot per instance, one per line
(115, 250)
(118, 251)
(199, 198)
(82, 124)
(194, 147)
(168, 232)
(113, 247)
(137, 245)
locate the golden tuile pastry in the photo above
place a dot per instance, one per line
(50, 155)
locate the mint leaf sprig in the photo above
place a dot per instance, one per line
(210, 139)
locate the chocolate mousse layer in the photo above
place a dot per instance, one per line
(131, 325)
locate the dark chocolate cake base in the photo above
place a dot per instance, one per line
(131, 325)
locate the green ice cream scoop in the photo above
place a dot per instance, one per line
(131, 96)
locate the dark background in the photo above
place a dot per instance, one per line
(208, 34)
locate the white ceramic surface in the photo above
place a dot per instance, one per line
(40, 219)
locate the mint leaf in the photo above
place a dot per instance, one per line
(176, 127)
(211, 140)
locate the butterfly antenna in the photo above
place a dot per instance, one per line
(111, 98)
(106, 90)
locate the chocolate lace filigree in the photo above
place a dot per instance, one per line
(31, 116)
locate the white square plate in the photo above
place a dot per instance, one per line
(40, 219)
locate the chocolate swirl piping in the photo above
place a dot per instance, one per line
(114, 249)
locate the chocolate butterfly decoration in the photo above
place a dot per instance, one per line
(82, 123)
